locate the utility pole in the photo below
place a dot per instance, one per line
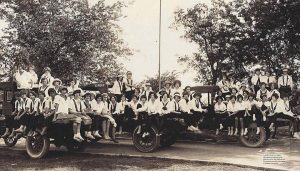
(159, 46)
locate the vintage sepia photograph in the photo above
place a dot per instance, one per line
(159, 85)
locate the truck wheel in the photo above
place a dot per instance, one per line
(252, 139)
(75, 146)
(148, 140)
(37, 146)
(11, 142)
(167, 138)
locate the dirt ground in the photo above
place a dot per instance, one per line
(12, 160)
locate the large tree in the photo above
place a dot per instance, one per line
(239, 34)
(69, 36)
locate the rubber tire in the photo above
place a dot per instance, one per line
(10, 143)
(44, 150)
(140, 147)
(75, 146)
(262, 136)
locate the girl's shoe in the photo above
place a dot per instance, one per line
(217, 132)
(246, 131)
(96, 134)
(264, 118)
(257, 130)
(89, 135)
(236, 132)
(221, 127)
(242, 132)
(139, 130)
(76, 138)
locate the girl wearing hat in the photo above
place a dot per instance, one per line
(197, 110)
(285, 82)
(188, 90)
(47, 75)
(168, 87)
(117, 88)
(56, 84)
(177, 88)
(147, 90)
(220, 113)
(184, 105)
(62, 107)
(129, 87)
(77, 108)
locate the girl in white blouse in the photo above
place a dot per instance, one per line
(232, 109)
(220, 113)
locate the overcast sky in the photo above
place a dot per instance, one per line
(141, 30)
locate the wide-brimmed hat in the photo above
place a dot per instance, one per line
(56, 80)
(197, 94)
(177, 94)
(177, 81)
(285, 69)
(168, 82)
(47, 69)
(77, 91)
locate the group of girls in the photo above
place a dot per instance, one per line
(262, 100)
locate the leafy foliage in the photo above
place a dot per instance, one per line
(69, 36)
(239, 34)
(166, 76)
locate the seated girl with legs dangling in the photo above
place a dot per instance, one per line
(47, 109)
(142, 109)
(220, 113)
(107, 118)
(77, 108)
(153, 108)
(61, 104)
(242, 111)
(119, 113)
(197, 111)
(89, 111)
(34, 115)
(264, 108)
(253, 113)
(232, 109)
(97, 108)
(23, 118)
(11, 124)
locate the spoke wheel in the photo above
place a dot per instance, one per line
(147, 140)
(252, 139)
(37, 146)
(11, 142)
